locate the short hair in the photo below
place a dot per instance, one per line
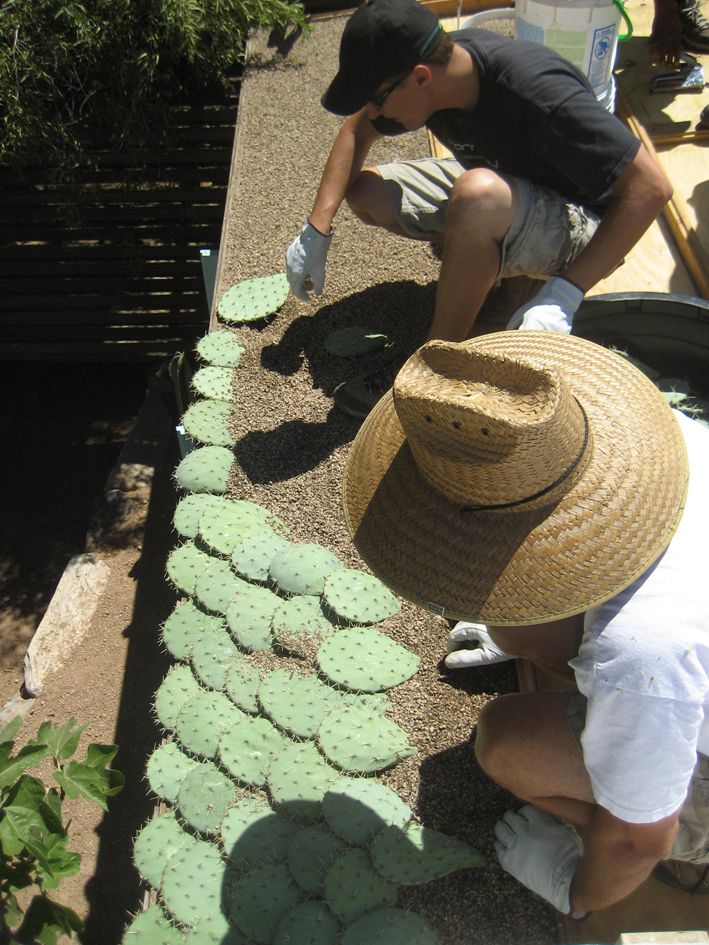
(442, 53)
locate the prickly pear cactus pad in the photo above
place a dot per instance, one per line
(214, 930)
(241, 683)
(214, 655)
(390, 927)
(248, 747)
(220, 348)
(193, 881)
(166, 769)
(363, 660)
(152, 927)
(202, 719)
(295, 702)
(302, 568)
(204, 797)
(249, 617)
(185, 564)
(155, 844)
(359, 742)
(216, 586)
(252, 556)
(353, 340)
(358, 597)
(184, 627)
(207, 421)
(308, 923)
(418, 854)
(353, 887)
(254, 835)
(253, 299)
(299, 623)
(311, 853)
(259, 900)
(298, 780)
(232, 521)
(206, 469)
(188, 512)
(177, 688)
(214, 382)
(356, 809)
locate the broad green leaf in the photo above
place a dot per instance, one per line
(12, 766)
(100, 756)
(8, 731)
(13, 913)
(51, 811)
(21, 818)
(90, 779)
(15, 874)
(54, 861)
(62, 740)
(45, 919)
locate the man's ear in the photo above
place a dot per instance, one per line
(422, 74)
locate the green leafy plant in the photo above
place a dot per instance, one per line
(72, 71)
(33, 837)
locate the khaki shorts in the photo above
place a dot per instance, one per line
(546, 234)
(692, 840)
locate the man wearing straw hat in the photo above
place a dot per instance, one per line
(544, 181)
(539, 484)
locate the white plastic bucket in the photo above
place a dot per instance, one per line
(585, 32)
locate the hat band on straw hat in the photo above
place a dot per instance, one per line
(578, 448)
(490, 433)
(529, 500)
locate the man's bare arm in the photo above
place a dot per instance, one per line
(639, 195)
(345, 161)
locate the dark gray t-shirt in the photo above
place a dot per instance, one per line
(536, 117)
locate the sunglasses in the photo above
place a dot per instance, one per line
(380, 98)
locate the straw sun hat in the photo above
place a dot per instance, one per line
(515, 478)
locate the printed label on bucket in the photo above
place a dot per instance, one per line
(529, 31)
(571, 44)
(601, 50)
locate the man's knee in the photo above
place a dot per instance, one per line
(481, 199)
(494, 728)
(368, 198)
(480, 187)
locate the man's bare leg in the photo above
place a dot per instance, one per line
(481, 209)
(524, 744)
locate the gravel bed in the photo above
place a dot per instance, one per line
(292, 444)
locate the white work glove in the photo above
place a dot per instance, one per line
(552, 308)
(541, 852)
(306, 261)
(460, 653)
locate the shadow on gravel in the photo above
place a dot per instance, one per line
(293, 448)
(401, 310)
(115, 890)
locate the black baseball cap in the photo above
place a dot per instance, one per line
(383, 38)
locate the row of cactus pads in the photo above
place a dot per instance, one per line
(271, 826)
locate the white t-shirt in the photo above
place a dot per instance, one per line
(644, 666)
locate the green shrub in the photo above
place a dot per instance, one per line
(33, 838)
(75, 70)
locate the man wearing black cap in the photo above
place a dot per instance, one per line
(544, 181)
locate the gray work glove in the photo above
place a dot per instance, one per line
(306, 261)
(470, 644)
(552, 308)
(541, 852)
